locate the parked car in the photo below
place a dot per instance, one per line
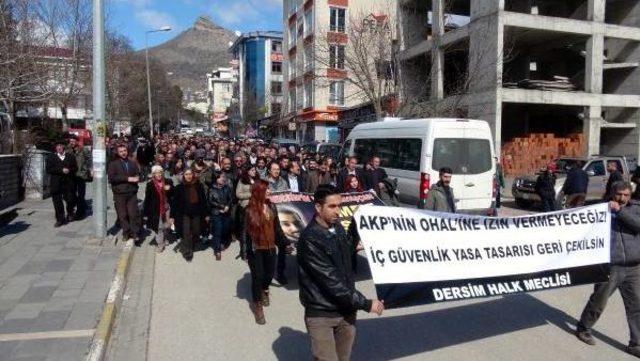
(414, 150)
(523, 188)
(287, 143)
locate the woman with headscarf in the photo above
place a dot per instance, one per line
(263, 235)
(156, 205)
(188, 208)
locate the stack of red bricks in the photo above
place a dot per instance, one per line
(523, 156)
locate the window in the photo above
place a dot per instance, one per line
(300, 28)
(299, 98)
(308, 22)
(292, 99)
(597, 167)
(345, 152)
(337, 20)
(276, 88)
(463, 156)
(309, 58)
(336, 93)
(308, 94)
(276, 67)
(276, 46)
(396, 153)
(292, 35)
(292, 67)
(336, 56)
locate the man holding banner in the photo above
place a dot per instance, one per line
(327, 286)
(624, 273)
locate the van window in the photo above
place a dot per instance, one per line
(597, 167)
(346, 148)
(404, 153)
(462, 155)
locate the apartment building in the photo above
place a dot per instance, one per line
(315, 40)
(220, 96)
(260, 77)
(531, 66)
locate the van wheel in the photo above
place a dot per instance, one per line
(523, 203)
(561, 202)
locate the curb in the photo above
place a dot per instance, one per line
(102, 335)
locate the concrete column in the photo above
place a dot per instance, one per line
(594, 78)
(596, 10)
(591, 130)
(486, 51)
(437, 53)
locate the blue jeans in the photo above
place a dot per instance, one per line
(220, 230)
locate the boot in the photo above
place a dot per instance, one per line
(265, 298)
(258, 313)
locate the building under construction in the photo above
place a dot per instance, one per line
(529, 66)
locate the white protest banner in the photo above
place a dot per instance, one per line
(419, 257)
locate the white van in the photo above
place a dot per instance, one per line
(414, 150)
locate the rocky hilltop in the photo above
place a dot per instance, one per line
(195, 52)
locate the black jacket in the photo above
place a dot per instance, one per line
(577, 181)
(180, 206)
(219, 198)
(151, 205)
(302, 182)
(373, 177)
(545, 186)
(344, 173)
(613, 177)
(248, 247)
(60, 182)
(118, 174)
(327, 285)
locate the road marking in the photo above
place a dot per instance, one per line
(46, 335)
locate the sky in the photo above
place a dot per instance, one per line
(132, 18)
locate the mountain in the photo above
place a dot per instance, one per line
(194, 53)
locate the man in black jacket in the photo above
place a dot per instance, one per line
(374, 175)
(624, 270)
(124, 177)
(576, 185)
(327, 286)
(62, 167)
(350, 169)
(614, 176)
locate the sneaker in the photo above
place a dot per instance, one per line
(633, 350)
(218, 256)
(586, 337)
(265, 298)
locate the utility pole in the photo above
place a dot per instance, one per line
(99, 153)
(146, 53)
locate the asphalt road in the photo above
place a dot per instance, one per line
(200, 311)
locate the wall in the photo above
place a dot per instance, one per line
(9, 181)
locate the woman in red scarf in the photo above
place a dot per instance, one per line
(156, 205)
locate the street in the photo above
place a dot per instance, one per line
(200, 311)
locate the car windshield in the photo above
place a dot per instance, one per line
(563, 165)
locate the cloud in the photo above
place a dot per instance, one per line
(155, 19)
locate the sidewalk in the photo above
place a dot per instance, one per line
(53, 285)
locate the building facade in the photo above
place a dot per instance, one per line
(316, 77)
(260, 76)
(220, 91)
(528, 66)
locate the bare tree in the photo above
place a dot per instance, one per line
(68, 30)
(363, 57)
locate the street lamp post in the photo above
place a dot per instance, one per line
(146, 51)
